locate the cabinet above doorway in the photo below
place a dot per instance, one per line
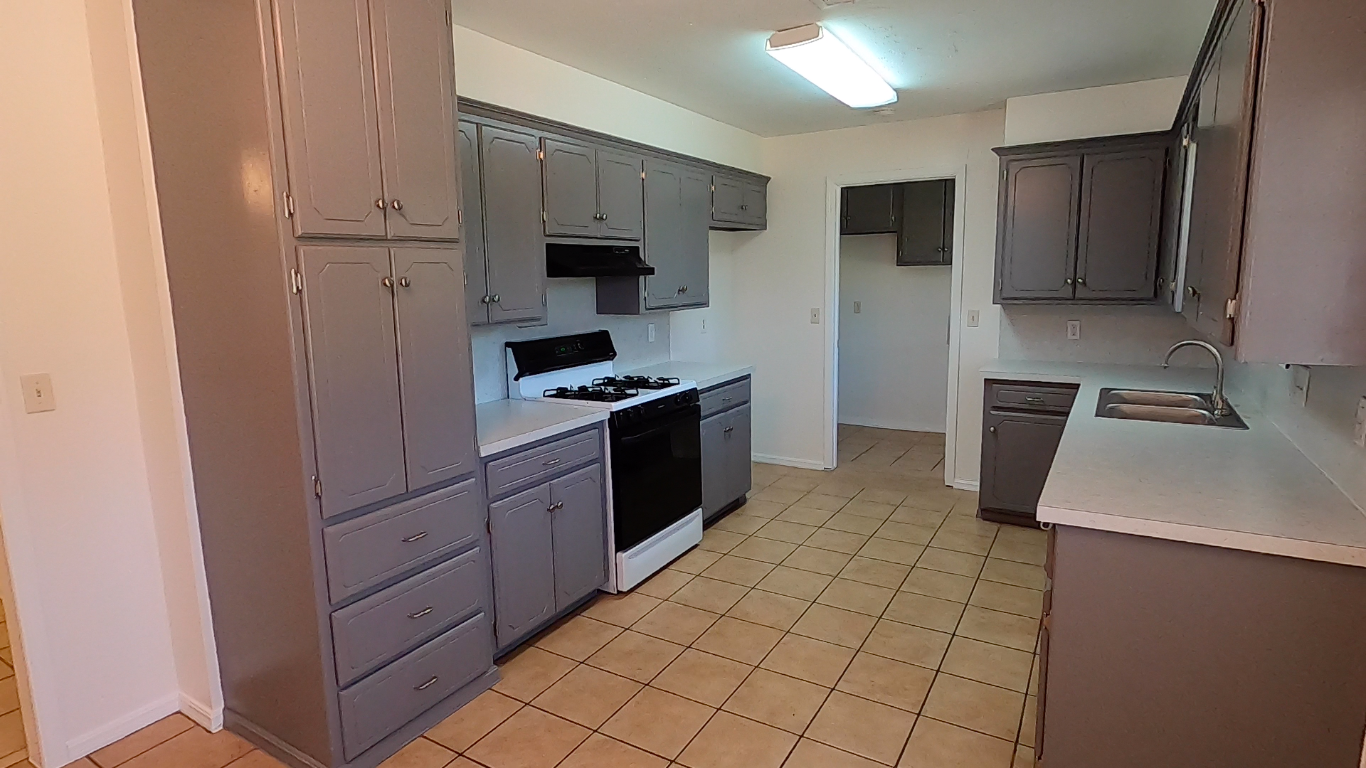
(919, 213)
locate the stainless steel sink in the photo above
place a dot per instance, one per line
(1165, 407)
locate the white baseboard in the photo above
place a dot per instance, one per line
(936, 428)
(208, 718)
(133, 721)
(968, 485)
(784, 461)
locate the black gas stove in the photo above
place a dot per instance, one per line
(598, 393)
(636, 382)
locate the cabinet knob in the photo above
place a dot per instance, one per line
(1069, 281)
(487, 300)
(398, 204)
(728, 430)
(682, 289)
(992, 430)
(404, 282)
(380, 204)
(1081, 281)
(497, 297)
(387, 282)
(1190, 289)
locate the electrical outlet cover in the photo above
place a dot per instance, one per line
(1073, 330)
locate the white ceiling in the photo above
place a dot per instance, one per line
(943, 56)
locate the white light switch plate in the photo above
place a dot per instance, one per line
(858, 307)
(38, 397)
(650, 332)
(974, 318)
(815, 316)
(1361, 424)
(1073, 330)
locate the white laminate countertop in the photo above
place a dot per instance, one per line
(1251, 490)
(706, 375)
(507, 424)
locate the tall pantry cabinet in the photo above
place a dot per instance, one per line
(306, 164)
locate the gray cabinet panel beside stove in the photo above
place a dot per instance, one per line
(726, 449)
(549, 540)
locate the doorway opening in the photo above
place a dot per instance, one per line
(895, 291)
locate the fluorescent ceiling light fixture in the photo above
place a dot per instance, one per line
(815, 54)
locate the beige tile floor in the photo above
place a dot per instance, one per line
(850, 619)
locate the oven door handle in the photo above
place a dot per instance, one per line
(658, 428)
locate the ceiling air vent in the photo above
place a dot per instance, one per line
(831, 3)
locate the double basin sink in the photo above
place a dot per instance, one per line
(1168, 407)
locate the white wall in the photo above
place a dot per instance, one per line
(761, 314)
(894, 353)
(1108, 110)
(1122, 335)
(76, 503)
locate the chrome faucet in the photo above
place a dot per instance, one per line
(1221, 408)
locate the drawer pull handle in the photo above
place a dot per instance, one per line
(427, 684)
(415, 537)
(421, 613)
(1034, 400)
(551, 462)
(727, 399)
(728, 430)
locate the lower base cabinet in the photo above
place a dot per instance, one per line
(1022, 425)
(726, 447)
(549, 541)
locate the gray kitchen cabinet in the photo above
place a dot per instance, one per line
(676, 239)
(873, 209)
(415, 81)
(726, 447)
(925, 224)
(571, 189)
(579, 535)
(591, 192)
(548, 522)
(350, 329)
(738, 203)
(523, 563)
(331, 118)
(1022, 427)
(435, 368)
(472, 202)
(1157, 652)
(368, 91)
(1081, 221)
(1037, 240)
(514, 242)
(1121, 224)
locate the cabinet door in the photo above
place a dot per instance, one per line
(695, 244)
(571, 189)
(523, 563)
(621, 195)
(472, 201)
(1231, 136)
(415, 79)
(1017, 455)
(727, 198)
(739, 455)
(925, 224)
(1038, 223)
(331, 119)
(513, 240)
(1202, 193)
(1121, 224)
(580, 535)
(715, 462)
(871, 210)
(754, 207)
(435, 370)
(664, 235)
(353, 375)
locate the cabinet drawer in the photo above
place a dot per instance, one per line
(369, 550)
(384, 625)
(1031, 397)
(724, 397)
(387, 700)
(540, 463)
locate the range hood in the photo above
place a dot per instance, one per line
(584, 260)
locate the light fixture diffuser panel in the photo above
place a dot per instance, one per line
(814, 53)
(831, 3)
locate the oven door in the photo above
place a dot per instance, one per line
(656, 474)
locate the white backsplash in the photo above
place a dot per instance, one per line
(572, 308)
(1120, 335)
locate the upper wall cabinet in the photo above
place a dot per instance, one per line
(870, 210)
(738, 203)
(368, 92)
(1081, 221)
(590, 192)
(676, 240)
(925, 229)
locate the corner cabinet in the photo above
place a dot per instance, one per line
(726, 447)
(1022, 426)
(739, 203)
(324, 359)
(548, 523)
(1276, 252)
(1081, 222)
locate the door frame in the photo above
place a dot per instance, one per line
(834, 185)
